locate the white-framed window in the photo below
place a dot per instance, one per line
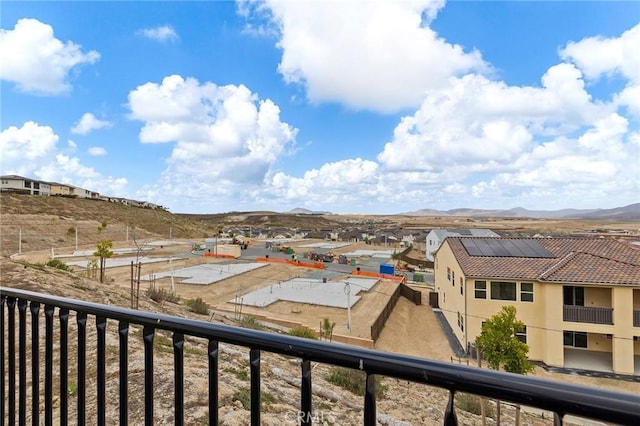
(461, 286)
(526, 292)
(460, 321)
(480, 289)
(503, 290)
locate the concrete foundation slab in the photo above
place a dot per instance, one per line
(309, 291)
(205, 274)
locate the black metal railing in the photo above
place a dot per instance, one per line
(558, 397)
(636, 318)
(588, 314)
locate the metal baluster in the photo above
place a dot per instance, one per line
(2, 363)
(35, 364)
(450, 417)
(254, 367)
(178, 377)
(48, 365)
(147, 336)
(370, 400)
(82, 367)
(11, 304)
(305, 393)
(212, 351)
(101, 328)
(64, 366)
(123, 333)
(22, 361)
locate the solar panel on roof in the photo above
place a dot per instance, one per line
(499, 247)
(471, 247)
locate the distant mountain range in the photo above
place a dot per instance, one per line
(626, 213)
(300, 210)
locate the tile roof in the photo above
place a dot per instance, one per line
(579, 260)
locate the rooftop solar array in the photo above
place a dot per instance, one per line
(504, 247)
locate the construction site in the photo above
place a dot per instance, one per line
(282, 284)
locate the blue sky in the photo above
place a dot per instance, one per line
(351, 107)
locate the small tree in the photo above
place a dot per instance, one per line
(502, 349)
(326, 328)
(499, 344)
(103, 252)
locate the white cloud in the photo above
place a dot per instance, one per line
(36, 61)
(72, 145)
(367, 55)
(89, 122)
(598, 56)
(97, 151)
(25, 146)
(225, 137)
(484, 143)
(32, 151)
(161, 33)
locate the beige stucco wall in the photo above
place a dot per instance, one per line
(597, 297)
(544, 316)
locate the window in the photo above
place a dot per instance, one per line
(453, 278)
(503, 290)
(526, 292)
(573, 295)
(577, 339)
(480, 289)
(460, 321)
(522, 334)
(448, 273)
(461, 286)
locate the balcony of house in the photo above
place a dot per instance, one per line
(588, 351)
(32, 364)
(587, 305)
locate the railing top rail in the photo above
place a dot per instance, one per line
(560, 397)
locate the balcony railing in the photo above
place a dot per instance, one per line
(636, 318)
(588, 314)
(555, 396)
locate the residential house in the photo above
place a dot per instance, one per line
(22, 185)
(436, 236)
(579, 298)
(61, 189)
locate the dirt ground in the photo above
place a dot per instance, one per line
(411, 329)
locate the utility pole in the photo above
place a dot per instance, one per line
(347, 290)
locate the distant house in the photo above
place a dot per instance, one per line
(22, 185)
(437, 236)
(579, 298)
(61, 189)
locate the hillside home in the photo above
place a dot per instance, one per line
(579, 298)
(436, 236)
(61, 189)
(22, 185)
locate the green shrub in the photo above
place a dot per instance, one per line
(198, 306)
(249, 321)
(58, 264)
(471, 404)
(305, 332)
(244, 396)
(419, 278)
(354, 381)
(161, 295)
(71, 231)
